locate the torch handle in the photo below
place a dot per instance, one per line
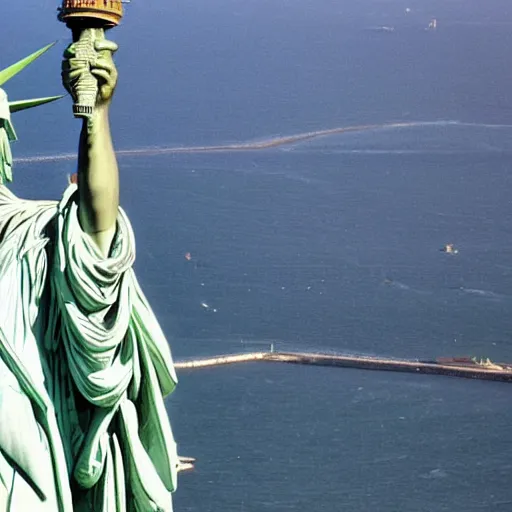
(86, 84)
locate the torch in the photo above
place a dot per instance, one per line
(88, 20)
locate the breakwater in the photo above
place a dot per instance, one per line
(251, 145)
(471, 370)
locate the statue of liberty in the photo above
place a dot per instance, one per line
(84, 365)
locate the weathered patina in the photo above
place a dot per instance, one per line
(84, 364)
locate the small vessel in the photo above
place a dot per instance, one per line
(432, 25)
(449, 249)
(208, 307)
(186, 464)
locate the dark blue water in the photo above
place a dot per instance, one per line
(331, 244)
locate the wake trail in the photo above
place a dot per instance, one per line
(269, 143)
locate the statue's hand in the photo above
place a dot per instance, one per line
(105, 71)
(99, 64)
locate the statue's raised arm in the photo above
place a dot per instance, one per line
(84, 364)
(98, 177)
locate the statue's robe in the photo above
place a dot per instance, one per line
(84, 367)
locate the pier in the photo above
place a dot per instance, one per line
(461, 367)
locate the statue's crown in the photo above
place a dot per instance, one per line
(6, 108)
(107, 12)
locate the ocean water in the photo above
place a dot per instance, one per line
(327, 243)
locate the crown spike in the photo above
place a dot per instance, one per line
(17, 106)
(13, 70)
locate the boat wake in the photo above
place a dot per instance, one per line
(485, 294)
(269, 143)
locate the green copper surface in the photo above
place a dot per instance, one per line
(19, 66)
(16, 106)
(84, 364)
(7, 132)
(82, 385)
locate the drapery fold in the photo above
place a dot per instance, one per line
(106, 363)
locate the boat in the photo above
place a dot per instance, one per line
(186, 464)
(449, 249)
(432, 25)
